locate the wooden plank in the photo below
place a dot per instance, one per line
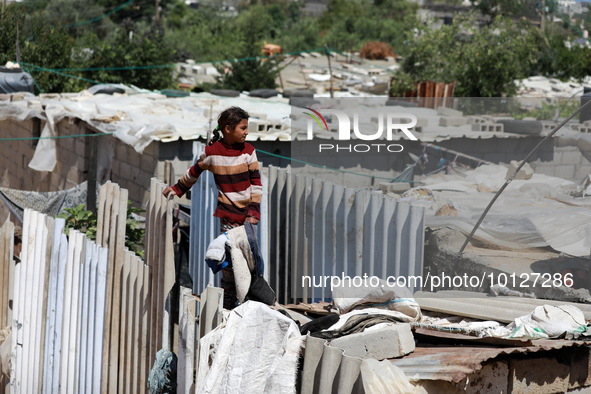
(161, 231)
(31, 322)
(169, 265)
(151, 257)
(67, 315)
(59, 313)
(115, 367)
(137, 277)
(13, 338)
(99, 337)
(84, 355)
(52, 290)
(42, 316)
(123, 359)
(102, 211)
(109, 241)
(131, 329)
(145, 330)
(11, 272)
(88, 385)
(72, 349)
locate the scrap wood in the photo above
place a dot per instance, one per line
(318, 308)
(424, 335)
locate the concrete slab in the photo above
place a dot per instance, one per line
(394, 341)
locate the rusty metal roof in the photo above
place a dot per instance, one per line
(453, 364)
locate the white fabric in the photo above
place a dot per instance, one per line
(545, 321)
(348, 297)
(256, 352)
(242, 260)
(217, 248)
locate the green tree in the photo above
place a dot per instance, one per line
(251, 27)
(41, 44)
(130, 46)
(483, 62)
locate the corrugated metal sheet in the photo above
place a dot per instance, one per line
(452, 364)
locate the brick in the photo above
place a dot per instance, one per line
(393, 341)
(571, 157)
(444, 111)
(135, 174)
(452, 121)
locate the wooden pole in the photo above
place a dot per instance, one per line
(329, 70)
(157, 10)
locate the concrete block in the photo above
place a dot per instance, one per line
(147, 162)
(548, 126)
(444, 111)
(476, 119)
(125, 171)
(452, 121)
(488, 127)
(393, 341)
(121, 151)
(80, 149)
(526, 171)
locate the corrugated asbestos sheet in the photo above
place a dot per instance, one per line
(503, 309)
(332, 230)
(315, 228)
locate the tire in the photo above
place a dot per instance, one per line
(225, 92)
(263, 93)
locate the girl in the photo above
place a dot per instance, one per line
(235, 169)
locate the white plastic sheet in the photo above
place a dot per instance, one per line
(255, 352)
(530, 213)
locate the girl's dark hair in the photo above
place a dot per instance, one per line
(229, 117)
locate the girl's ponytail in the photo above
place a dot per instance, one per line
(216, 135)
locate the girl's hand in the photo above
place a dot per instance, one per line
(168, 191)
(252, 220)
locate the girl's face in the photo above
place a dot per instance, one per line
(238, 134)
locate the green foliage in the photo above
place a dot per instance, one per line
(500, 7)
(550, 111)
(561, 62)
(80, 219)
(129, 46)
(40, 43)
(484, 63)
(250, 74)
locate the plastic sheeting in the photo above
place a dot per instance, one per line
(256, 351)
(530, 213)
(142, 118)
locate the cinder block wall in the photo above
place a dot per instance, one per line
(133, 171)
(16, 155)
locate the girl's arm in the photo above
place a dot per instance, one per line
(188, 180)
